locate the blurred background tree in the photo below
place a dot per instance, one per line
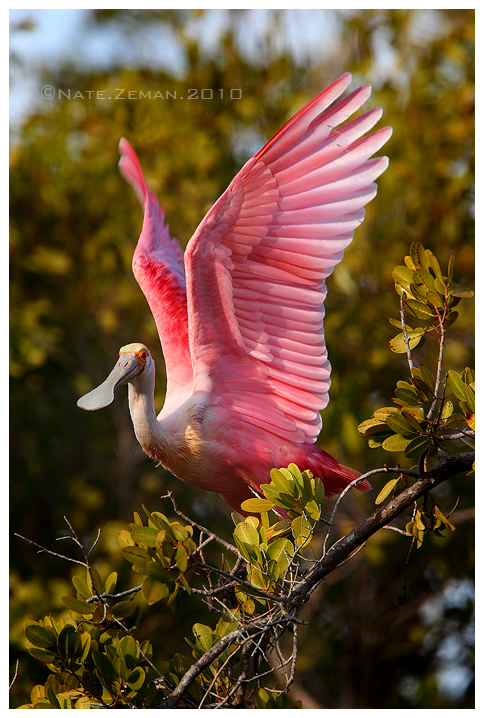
(74, 302)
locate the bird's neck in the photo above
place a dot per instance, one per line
(149, 431)
(175, 440)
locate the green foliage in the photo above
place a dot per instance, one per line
(264, 546)
(160, 551)
(425, 520)
(420, 423)
(97, 660)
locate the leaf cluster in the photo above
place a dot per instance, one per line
(425, 520)
(266, 547)
(427, 295)
(96, 661)
(424, 413)
(160, 551)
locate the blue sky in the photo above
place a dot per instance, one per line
(61, 35)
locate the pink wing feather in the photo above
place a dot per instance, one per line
(159, 268)
(257, 264)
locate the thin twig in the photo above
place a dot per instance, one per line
(14, 675)
(405, 335)
(433, 406)
(42, 549)
(230, 547)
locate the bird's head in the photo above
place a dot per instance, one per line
(132, 361)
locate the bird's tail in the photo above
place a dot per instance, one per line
(334, 475)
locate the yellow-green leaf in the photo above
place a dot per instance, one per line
(153, 590)
(395, 443)
(386, 490)
(257, 506)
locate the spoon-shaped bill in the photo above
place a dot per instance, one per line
(104, 395)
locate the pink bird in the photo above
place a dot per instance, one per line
(240, 314)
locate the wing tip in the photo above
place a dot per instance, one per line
(130, 169)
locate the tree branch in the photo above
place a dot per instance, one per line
(447, 467)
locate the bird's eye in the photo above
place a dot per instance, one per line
(144, 355)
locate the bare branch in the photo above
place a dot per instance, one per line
(447, 467)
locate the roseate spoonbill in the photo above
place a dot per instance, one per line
(240, 313)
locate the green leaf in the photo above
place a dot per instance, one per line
(455, 290)
(435, 300)
(120, 667)
(412, 530)
(313, 510)
(73, 604)
(441, 517)
(318, 490)
(407, 397)
(278, 497)
(409, 263)
(426, 279)
(69, 643)
(281, 482)
(104, 666)
(111, 581)
(426, 375)
(398, 344)
(372, 426)
(278, 528)
(39, 636)
(124, 538)
(123, 609)
(417, 446)
(181, 558)
(41, 655)
(386, 490)
(402, 275)
(302, 531)
(278, 549)
(156, 570)
(399, 425)
(456, 385)
(179, 531)
(395, 443)
(127, 648)
(145, 535)
(81, 587)
(204, 636)
(417, 254)
(447, 410)
(440, 285)
(136, 555)
(409, 416)
(432, 263)
(470, 398)
(96, 580)
(295, 471)
(136, 678)
(257, 506)
(225, 626)
(86, 641)
(247, 533)
(420, 309)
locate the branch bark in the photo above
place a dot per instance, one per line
(447, 467)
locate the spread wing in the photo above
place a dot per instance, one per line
(257, 264)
